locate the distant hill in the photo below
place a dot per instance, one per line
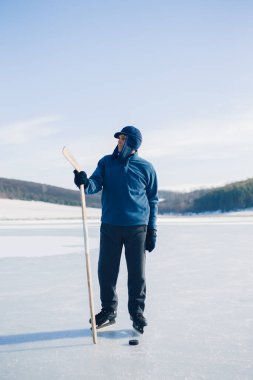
(178, 202)
(231, 197)
(31, 191)
(234, 196)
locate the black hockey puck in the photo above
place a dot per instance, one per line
(133, 342)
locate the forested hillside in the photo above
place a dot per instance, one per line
(177, 202)
(31, 191)
(234, 196)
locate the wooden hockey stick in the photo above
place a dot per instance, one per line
(76, 166)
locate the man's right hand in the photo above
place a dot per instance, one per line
(81, 179)
(150, 239)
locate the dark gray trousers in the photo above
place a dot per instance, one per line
(112, 240)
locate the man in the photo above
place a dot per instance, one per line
(129, 209)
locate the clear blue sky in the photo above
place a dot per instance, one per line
(74, 72)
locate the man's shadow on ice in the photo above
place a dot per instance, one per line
(43, 336)
(6, 340)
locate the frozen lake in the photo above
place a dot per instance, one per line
(199, 304)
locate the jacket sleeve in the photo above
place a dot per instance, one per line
(96, 179)
(152, 195)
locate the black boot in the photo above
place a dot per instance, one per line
(139, 322)
(105, 317)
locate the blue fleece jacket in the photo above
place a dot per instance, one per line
(129, 190)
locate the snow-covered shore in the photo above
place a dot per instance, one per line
(12, 209)
(19, 210)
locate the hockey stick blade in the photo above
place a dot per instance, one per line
(71, 159)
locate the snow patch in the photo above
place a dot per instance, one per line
(11, 209)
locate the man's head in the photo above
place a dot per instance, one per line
(132, 136)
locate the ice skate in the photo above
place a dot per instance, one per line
(105, 317)
(139, 322)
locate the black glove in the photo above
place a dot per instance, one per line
(81, 179)
(150, 239)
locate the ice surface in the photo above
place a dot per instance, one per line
(199, 303)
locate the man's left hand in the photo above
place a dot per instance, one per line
(150, 239)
